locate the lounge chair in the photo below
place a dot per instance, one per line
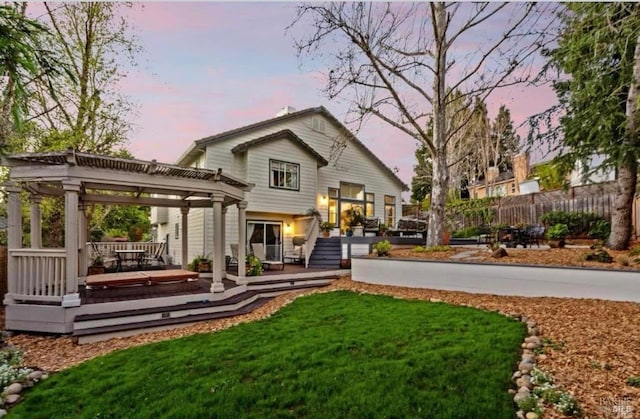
(258, 251)
(156, 257)
(297, 254)
(106, 260)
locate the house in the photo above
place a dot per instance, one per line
(296, 161)
(506, 183)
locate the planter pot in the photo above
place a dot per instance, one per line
(326, 233)
(556, 243)
(358, 231)
(95, 270)
(204, 267)
(446, 237)
(345, 263)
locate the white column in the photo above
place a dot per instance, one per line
(242, 241)
(218, 251)
(14, 235)
(223, 265)
(83, 230)
(71, 190)
(185, 239)
(36, 222)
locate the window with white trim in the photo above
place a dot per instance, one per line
(284, 175)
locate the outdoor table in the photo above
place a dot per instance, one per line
(513, 236)
(132, 255)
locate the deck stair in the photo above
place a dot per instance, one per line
(89, 328)
(327, 253)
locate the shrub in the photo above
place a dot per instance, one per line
(10, 370)
(558, 231)
(419, 249)
(382, 247)
(530, 404)
(579, 223)
(437, 248)
(599, 256)
(255, 266)
(635, 251)
(624, 261)
(634, 381)
(465, 232)
(600, 229)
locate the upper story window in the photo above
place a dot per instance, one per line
(318, 124)
(351, 191)
(284, 175)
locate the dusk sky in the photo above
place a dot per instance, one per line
(210, 67)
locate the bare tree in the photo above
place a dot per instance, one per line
(400, 62)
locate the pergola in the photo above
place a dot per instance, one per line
(52, 275)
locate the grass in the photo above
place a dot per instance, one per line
(337, 354)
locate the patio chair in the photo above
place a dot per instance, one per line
(534, 234)
(258, 251)
(232, 260)
(485, 234)
(156, 256)
(297, 254)
(106, 259)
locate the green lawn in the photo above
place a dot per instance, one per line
(331, 355)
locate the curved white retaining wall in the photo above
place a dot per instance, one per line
(523, 281)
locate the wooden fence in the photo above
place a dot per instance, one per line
(528, 209)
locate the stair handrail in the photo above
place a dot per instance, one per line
(310, 237)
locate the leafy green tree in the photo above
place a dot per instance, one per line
(599, 50)
(23, 61)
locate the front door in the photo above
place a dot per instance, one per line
(269, 233)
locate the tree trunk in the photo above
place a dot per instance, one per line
(435, 234)
(621, 219)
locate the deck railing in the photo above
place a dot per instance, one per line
(39, 274)
(107, 248)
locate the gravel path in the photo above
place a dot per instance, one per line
(593, 345)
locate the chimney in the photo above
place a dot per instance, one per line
(520, 167)
(492, 174)
(286, 110)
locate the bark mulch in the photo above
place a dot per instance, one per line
(592, 346)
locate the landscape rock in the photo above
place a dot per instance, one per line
(530, 346)
(525, 367)
(524, 381)
(531, 415)
(533, 331)
(533, 339)
(520, 396)
(14, 388)
(499, 253)
(528, 358)
(3, 413)
(520, 414)
(12, 398)
(516, 375)
(35, 375)
(512, 391)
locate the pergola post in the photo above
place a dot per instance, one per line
(223, 272)
(14, 235)
(83, 228)
(185, 234)
(71, 297)
(242, 241)
(36, 221)
(218, 241)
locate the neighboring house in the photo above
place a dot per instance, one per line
(296, 161)
(505, 183)
(577, 175)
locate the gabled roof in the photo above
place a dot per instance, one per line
(285, 133)
(199, 146)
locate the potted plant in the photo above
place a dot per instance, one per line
(97, 266)
(382, 248)
(253, 266)
(200, 263)
(355, 220)
(383, 229)
(556, 235)
(326, 228)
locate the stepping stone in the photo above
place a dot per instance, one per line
(463, 255)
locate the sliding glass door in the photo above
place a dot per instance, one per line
(267, 233)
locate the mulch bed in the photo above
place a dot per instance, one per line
(593, 345)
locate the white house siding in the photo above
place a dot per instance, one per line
(352, 165)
